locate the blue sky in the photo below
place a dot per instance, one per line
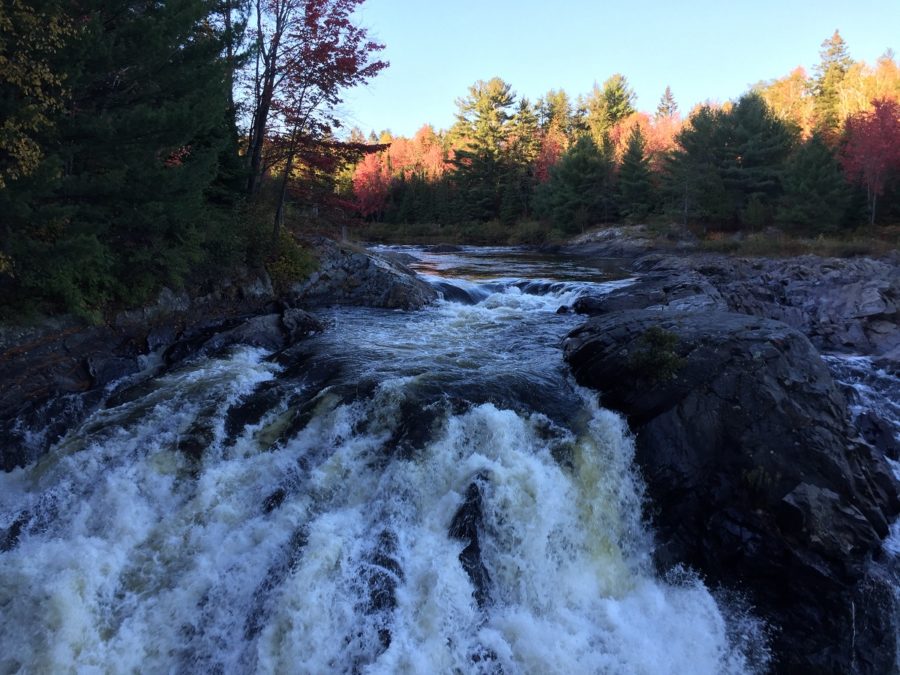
(703, 49)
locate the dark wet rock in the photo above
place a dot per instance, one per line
(687, 291)
(349, 275)
(630, 241)
(399, 258)
(197, 439)
(756, 477)
(842, 305)
(416, 426)
(278, 571)
(879, 433)
(105, 369)
(563, 309)
(274, 500)
(299, 324)
(251, 409)
(444, 248)
(467, 525)
(9, 537)
(465, 296)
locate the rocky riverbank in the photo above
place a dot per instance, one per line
(57, 372)
(756, 476)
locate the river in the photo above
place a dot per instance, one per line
(425, 492)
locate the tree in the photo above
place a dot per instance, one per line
(694, 182)
(635, 181)
(32, 90)
(483, 117)
(608, 106)
(757, 145)
(833, 66)
(667, 107)
(306, 53)
(871, 151)
(579, 190)
(324, 54)
(371, 183)
(790, 100)
(815, 191)
(481, 134)
(118, 204)
(555, 113)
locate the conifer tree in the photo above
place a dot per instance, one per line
(830, 73)
(122, 206)
(667, 107)
(576, 195)
(635, 182)
(693, 179)
(816, 195)
(756, 146)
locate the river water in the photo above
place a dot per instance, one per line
(424, 492)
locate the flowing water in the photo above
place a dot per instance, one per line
(424, 492)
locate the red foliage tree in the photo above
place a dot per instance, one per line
(308, 53)
(871, 151)
(371, 182)
(553, 145)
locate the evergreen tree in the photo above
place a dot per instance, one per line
(619, 99)
(635, 181)
(816, 195)
(554, 112)
(667, 107)
(483, 116)
(484, 124)
(576, 195)
(607, 106)
(121, 209)
(830, 73)
(693, 179)
(757, 145)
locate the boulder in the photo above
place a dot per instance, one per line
(349, 275)
(682, 291)
(755, 475)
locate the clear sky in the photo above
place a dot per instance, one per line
(703, 49)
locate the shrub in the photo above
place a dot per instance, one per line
(290, 263)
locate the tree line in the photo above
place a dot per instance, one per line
(143, 143)
(811, 154)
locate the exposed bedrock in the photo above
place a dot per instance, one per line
(756, 477)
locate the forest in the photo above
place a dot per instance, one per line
(146, 144)
(811, 154)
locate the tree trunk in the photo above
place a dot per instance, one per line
(282, 191)
(258, 134)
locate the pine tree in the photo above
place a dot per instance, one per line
(619, 99)
(122, 209)
(667, 107)
(757, 145)
(816, 195)
(635, 182)
(830, 73)
(484, 124)
(576, 195)
(693, 179)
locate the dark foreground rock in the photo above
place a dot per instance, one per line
(755, 477)
(57, 373)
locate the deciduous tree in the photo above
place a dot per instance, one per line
(871, 152)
